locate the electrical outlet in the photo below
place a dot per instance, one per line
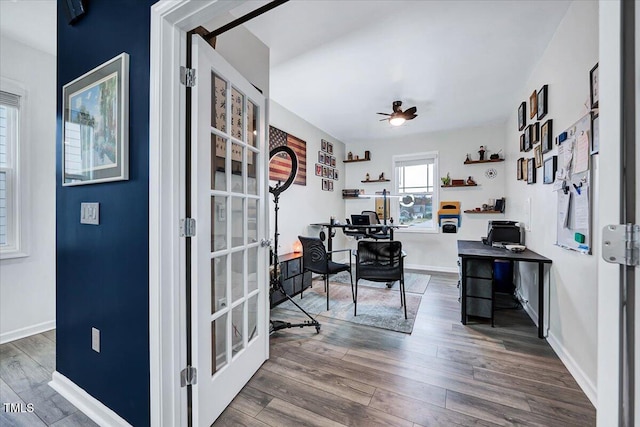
(90, 213)
(222, 303)
(95, 340)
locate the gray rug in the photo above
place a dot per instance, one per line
(376, 307)
(413, 282)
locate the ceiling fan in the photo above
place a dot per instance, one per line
(398, 116)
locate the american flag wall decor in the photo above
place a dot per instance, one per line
(279, 167)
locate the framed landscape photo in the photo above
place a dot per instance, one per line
(549, 171)
(533, 104)
(593, 85)
(522, 119)
(542, 102)
(95, 125)
(545, 136)
(537, 155)
(531, 171)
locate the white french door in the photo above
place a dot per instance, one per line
(229, 283)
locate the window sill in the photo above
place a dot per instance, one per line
(12, 254)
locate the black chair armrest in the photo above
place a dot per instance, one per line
(342, 250)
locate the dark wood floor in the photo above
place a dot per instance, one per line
(443, 374)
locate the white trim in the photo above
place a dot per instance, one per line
(27, 331)
(434, 268)
(86, 403)
(587, 386)
(527, 307)
(170, 19)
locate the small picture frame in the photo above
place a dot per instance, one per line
(325, 185)
(318, 169)
(531, 171)
(329, 147)
(546, 139)
(533, 104)
(528, 145)
(325, 171)
(595, 132)
(95, 125)
(522, 142)
(520, 169)
(330, 173)
(535, 132)
(327, 159)
(335, 174)
(542, 102)
(522, 119)
(593, 86)
(330, 185)
(549, 170)
(323, 145)
(333, 161)
(537, 155)
(525, 172)
(321, 157)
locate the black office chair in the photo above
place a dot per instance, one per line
(315, 258)
(356, 233)
(380, 262)
(375, 233)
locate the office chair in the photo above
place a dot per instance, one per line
(356, 233)
(315, 258)
(375, 233)
(380, 262)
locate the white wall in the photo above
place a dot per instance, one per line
(435, 251)
(27, 285)
(564, 66)
(304, 205)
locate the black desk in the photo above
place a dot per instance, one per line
(469, 250)
(364, 228)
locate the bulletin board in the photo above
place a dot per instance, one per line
(573, 185)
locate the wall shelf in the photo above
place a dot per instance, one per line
(376, 180)
(470, 162)
(483, 212)
(356, 160)
(350, 197)
(459, 185)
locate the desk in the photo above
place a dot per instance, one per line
(470, 251)
(364, 228)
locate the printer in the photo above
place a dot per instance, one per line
(500, 233)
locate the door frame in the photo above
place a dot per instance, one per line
(170, 21)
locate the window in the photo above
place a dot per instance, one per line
(415, 177)
(9, 139)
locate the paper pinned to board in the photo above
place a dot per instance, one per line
(581, 210)
(564, 202)
(581, 163)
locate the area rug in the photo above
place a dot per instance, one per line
(413, 282)
(376, 307)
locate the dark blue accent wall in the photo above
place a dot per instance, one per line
(102, 271)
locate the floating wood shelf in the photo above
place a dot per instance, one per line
(483, 212)
(469, 162)
(376, 180)
(350, 197)
(356, 160)
(459, 185)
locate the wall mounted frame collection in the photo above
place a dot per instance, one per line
(326, 166)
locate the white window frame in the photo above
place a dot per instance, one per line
(17, 179)
(395, 211)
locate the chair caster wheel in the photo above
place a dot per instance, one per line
(317, 329)
(390, 285)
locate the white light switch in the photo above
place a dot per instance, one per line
(90, 213)
(95, 340)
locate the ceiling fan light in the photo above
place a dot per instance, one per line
(396, 121)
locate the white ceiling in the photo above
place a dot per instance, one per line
(32, 22)
(337, 63)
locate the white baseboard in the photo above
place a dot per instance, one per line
(89, 405)
(528, 309)
(578, 374)
(437, 269)
(28, 331)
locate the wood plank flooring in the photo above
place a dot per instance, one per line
(443, 374)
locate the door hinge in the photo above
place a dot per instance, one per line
(188, 376)
(188, 76)
(621, 244)
(187, 227)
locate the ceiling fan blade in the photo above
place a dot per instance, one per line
(410, 111)
(384, 120)
(384, 114)
(411, 117)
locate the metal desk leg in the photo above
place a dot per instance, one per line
(329, 241)
(463, 293)
(540, 300)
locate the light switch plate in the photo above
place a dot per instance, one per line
(95, 340)
(90, 213)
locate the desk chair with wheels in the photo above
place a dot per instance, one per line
(356, 233)
(375, 233)
(316, 259)
(380, 262)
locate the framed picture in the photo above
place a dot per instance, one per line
(330, 185)
(537, 155)
(522, 119)
(95, 125)
(325, 185)
(545, 136)
(593, 85)
(525, 172)
(595, 132)
(333, 161)
(533, 104)
(335, 174)
(327, 159)
(528, 145)
(320, 157)
(325, 171)
(522, 142)
(520, 170)
(323, 145)
(542, 102)
(329, 147)
(535, 132)
(318, 169)
(549, 171)
(531, 171)
(330, 173)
